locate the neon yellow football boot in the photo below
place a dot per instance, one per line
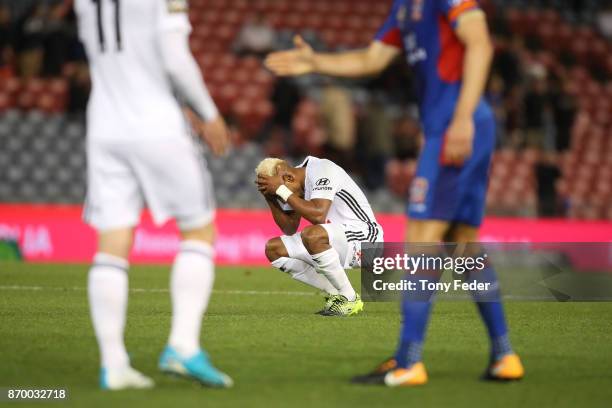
(343, 307)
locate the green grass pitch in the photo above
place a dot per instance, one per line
(261, 329)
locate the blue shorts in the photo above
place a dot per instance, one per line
(453, 193)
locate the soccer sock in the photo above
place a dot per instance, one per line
(416, 309)
(492, 312)
(414, 324)
(328, 263)
(305, 273)
(191, 284)
(107, 290)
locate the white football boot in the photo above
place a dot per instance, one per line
(126, 378)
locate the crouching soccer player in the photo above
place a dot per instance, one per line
(448, 46)
(324, 194)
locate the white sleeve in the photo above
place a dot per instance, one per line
(326, 180)
(173, 35)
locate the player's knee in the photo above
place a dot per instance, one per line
(275, 249)
(420, 231)
(315, 239)
(116, 242)
(205, 233)
(463, 234)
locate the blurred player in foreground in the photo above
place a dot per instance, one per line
(140, 151)
(324, 194)
(448, 45)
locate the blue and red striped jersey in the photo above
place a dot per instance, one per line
(424, 30)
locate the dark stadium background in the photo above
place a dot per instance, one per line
(550, 87)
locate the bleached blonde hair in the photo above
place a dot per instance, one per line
(267, 167)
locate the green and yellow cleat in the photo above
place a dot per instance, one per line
(341, 306)
(329, 301)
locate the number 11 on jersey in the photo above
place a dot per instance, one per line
(101, 36)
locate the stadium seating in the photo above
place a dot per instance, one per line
(511, 192)
(46, 95)
(46, 163)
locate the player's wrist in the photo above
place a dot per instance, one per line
(314, 63)
(212, 117)
(462, 115)
(283, 192)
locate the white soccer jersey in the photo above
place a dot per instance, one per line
(132, 94)
(139, 148)
(350, 207)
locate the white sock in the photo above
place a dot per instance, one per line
(108, 292)
(328, 263)
(191, 283)
(305, 273)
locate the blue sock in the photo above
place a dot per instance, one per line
(416, 308)
(492, 312)
(414, 324)
(500, 346)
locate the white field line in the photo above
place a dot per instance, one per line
(156, 290)
(270, 293)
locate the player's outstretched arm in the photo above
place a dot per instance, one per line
(473, 32)
(304, 60)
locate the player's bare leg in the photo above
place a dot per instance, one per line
(504, 364)
(424, 231)
(191, 284)
(108, 294)
(317, 243)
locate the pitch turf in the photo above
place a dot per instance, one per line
(281, 354)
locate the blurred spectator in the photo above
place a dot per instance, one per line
(407, 138)
(495, 96)
(397, 83)
(513, 132)
(536, 101)
(57, 37)
(564, 110)
(6, 43)
(256, 37)
(604, 21)
(507, 60)
(547, 173)
(31, 41)
(376, 142)
(79, 86)
(339, 122)
(576, 6)
(285, 98)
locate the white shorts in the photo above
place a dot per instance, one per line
(169, 175)
(343, 238)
